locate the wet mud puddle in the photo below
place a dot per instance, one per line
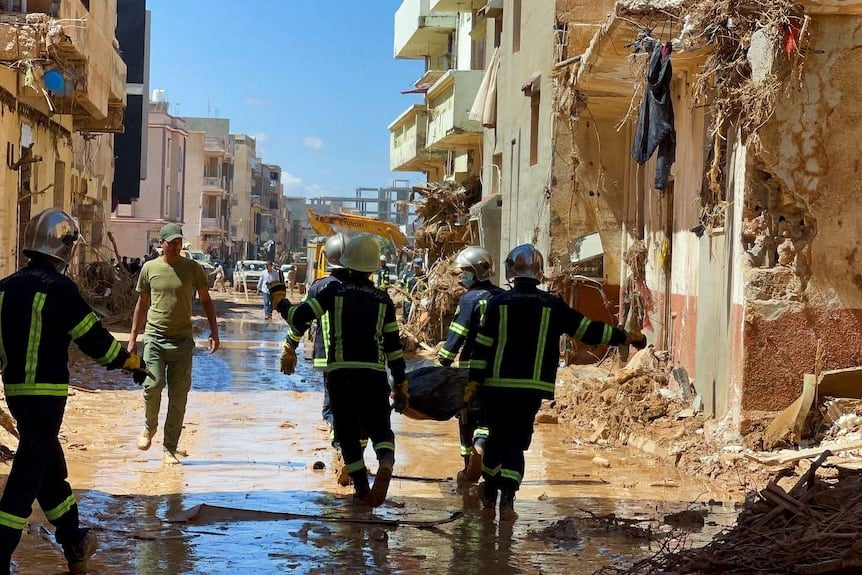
(254, 440)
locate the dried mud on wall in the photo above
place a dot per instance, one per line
(802, 223)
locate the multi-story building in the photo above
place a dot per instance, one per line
(164, 191)
(61, 94)
(208, 188)
(244, 205)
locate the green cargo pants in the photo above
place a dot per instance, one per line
(170, 360)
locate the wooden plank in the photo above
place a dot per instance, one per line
(841, 383)
(791, 455)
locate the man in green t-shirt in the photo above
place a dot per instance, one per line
(166, 287)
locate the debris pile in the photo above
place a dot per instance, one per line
(640, 402)
(444, 212)
(812, 528)
(433, 308)
(108, 289)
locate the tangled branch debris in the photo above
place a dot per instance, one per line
(444, 210)
(811, 529)
(434, 301)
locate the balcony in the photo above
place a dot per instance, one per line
(456, 5)
(449, 101)
(214, 145)
(211, 225)
(255, 201)
(419, 32)
(214, 185)
(407, 138)
(86, 49)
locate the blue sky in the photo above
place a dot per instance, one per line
(314, 81)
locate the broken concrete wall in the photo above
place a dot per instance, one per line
(802, 223)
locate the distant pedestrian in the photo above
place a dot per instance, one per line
(291, 278)
(267, 276)
(514, 367)
(166, 287)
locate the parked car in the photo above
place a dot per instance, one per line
(248, 272)
(205, 261)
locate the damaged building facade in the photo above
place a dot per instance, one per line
(63, 94)
(695, 157)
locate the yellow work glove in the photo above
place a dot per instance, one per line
(636, 339)
(277, 292)
(400, 397)
(288, 359)
(136, 366)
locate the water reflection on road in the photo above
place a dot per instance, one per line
(254, 438)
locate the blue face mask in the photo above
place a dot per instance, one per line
(467, 279)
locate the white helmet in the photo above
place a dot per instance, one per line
(52, 233)
(362, 254)
(525, 261)
(478, 259)
(334, 249)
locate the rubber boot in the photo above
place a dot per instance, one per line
(473, 471)
(382, 479)
(488, 495)
(78, 554)
(361, 491)
(9, 539)
(507, 506)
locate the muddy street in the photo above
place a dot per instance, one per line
(255, 445)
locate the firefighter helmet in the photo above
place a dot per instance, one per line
(362, 254)
(525, 261)
(477, 259)
(334, 249)
(52, 233)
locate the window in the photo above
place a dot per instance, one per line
(516, 26)
(535, 100)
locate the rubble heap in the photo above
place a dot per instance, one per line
(444, 212)
(812, 528)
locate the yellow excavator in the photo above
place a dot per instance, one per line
(329, 224)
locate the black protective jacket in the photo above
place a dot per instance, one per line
(518, 345)
(41, 312)
(321, 331)
(464, 327)
(363, 331)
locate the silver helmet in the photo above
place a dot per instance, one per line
(334, 249)
(477, 259)
(362, 254)
(525, 261)
(52, 233)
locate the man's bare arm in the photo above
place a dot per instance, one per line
(139, 319)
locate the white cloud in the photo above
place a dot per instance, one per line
(313, 142)
(260, 137)
(288, 180)
(251, 101)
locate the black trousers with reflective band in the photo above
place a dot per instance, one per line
(510, 413)
(38, 474)
(360, 405)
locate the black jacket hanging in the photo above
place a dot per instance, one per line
(655, 127)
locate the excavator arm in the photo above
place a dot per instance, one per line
(329, 224)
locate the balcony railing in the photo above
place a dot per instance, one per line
(210, 224)
(214, 144)
(255, 200)
(215, 182)
(449, 101)
(420, 32)
(456, 5)
(407, 151)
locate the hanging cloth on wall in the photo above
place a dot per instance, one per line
(655, 127)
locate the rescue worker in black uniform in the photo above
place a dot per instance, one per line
(333, 250)
(514, 368)
(41, 312)
(476, 266)
(363, 338)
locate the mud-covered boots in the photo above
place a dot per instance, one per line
(507, 505)
(360, 487)
(382, 479)
(78, 554)
(488, 495)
